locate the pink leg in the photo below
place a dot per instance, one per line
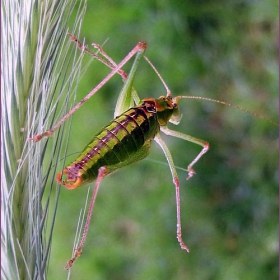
(102, 172)
(179, 230)
(168, 156)
(110, 63)
(137, 50)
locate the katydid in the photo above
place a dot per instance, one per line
(127, 138)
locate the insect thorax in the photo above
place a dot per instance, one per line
(163, 107)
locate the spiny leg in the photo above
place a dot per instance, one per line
(189, 138)
(122, 103)
(102, 172)
(110, 63)
(128, 94)
(138, 50)
(176, 182)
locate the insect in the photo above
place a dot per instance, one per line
(127, 138)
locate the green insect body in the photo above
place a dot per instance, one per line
(125, 140)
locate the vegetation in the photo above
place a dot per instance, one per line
(225, 50)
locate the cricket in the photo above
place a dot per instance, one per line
(127, 138)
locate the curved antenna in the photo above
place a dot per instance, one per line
(225, 103)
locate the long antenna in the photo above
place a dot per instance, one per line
(168, 92)
(227, 104)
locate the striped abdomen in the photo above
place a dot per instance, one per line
(115, 145)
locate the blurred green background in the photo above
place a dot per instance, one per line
(225, 50)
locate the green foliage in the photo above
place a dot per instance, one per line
(225, 50)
